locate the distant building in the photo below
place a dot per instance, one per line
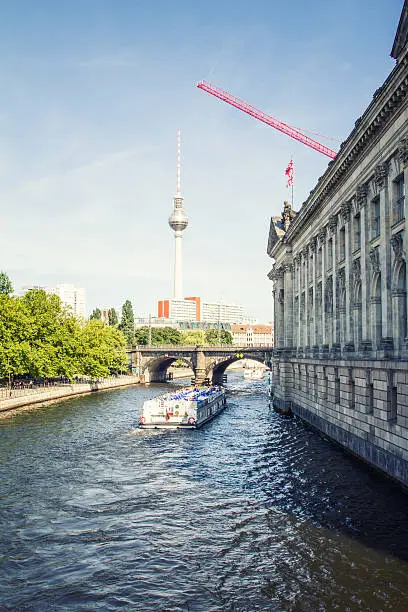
(183, 310)
(105, 315)
(147, 321)
(195, 309)
(227, 313)
(71, 296)
(252, 335)
(26, 288)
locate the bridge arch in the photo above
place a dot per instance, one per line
(155, 369)
(215, 371)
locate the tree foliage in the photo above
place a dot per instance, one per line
(6, 288)
(211, 336)
(169, 335)
(127, 323)
(41, 339)
(96, 315)
(160, 335)
(113, 318)
(193, 336)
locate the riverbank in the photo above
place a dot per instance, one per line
(27, 399)
(50, 395)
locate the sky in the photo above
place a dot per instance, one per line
(92, 95)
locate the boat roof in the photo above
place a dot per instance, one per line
(190, 393)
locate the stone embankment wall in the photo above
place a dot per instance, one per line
(362, 405)
(22, 398)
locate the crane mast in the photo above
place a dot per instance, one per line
(275, 123)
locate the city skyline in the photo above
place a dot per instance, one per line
(87, 147)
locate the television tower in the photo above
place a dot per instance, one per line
(178, 222)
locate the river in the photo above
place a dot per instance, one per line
(255, 511)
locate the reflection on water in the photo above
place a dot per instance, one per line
(253, 512)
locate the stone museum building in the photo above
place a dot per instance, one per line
(340, 286)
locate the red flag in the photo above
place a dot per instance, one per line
(290, 174)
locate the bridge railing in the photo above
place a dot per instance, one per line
(192, 347)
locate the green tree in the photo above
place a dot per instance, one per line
(193, 336)
(40, 338)
(14, 331)
(211, 336)
(96, 315)
(142, 335)
(160, 335)
(113, 319)
(5, 284)
(127, 323)
(166, 335)
(103, 350)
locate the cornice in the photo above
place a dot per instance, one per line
(387, 101)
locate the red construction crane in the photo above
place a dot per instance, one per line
(275, 123)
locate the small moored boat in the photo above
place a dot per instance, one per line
(187, 408)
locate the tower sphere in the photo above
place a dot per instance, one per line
(178, 220)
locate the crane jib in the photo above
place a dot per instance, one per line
(268, 119)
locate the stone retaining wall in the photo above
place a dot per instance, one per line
(362, 405)
(64, 392)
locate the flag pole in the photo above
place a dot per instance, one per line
(291, 158)
(290, 174)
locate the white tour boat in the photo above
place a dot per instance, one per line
(187, 408)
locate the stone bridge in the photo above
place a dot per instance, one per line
(207, 362)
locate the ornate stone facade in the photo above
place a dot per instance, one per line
(341, 313)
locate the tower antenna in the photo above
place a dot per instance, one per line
(178, 163)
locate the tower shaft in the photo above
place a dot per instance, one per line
(178, 222)
(178, 270)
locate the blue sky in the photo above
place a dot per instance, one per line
(93, 92)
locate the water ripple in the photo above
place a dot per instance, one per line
(253, 512)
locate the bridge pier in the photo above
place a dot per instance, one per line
(200, 368)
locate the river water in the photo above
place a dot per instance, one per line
(253, 512)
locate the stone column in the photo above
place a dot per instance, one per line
(274, 300)
(398, 296)
(403, 158)
(322, 241)
(288, 305)
(361, 207)
(375, 300)
(313, 331)
(341, 310)
(333, 226)
(306, 330)
(295, 305)
(357, 305)
(280, 295)
(345, 214)
(381, 179)
(299, 288)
